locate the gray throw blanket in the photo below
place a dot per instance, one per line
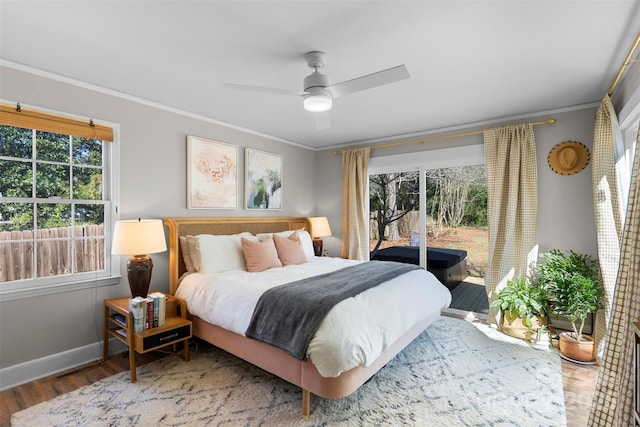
(287, 316)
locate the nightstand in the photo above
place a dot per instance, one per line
(176, 328)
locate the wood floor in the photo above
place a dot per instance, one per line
(578, 381)
(26, 395)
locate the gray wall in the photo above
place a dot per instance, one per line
(152, 185)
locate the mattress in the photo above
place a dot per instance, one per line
(354, 333)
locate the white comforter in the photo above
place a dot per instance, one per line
(355, 331)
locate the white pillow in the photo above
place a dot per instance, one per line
(194, 253)
(218, 253)
(186, 254)
(303, 235)
(265, 236)
(307, 244)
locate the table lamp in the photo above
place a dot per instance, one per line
(319, 228)
(138, 238)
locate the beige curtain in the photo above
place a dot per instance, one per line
(613, 398)
(608, 215)
(512, 187)
(355, 181)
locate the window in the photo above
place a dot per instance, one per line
(407, 168)
(56, 202)
(625, 148)
(456, 211)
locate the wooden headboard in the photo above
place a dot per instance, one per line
(220, 225)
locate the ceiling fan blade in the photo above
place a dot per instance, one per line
(263, 89)
(322, 120)
(369, 81)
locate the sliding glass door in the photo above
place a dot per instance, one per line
(435, 199)
(455, 212)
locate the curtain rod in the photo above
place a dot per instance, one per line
(435, 138)
(625, 64)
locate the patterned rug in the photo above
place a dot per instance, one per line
(456, 373)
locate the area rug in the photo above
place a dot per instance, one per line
(455, 373)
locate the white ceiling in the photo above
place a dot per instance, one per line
(470, 61)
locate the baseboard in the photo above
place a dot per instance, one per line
(469, 316)
(32, 370)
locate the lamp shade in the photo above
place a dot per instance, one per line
(320, 226)
(138, 237)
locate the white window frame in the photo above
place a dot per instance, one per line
(41, 286)
(626, 147)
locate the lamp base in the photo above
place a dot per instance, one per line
(317, 246)
(139, 274)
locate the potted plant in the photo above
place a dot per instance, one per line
(541, 341)
(523, 308)
(572, 284)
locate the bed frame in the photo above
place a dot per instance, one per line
(300, 373)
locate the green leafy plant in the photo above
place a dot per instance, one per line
(521, 298)
(572, 284)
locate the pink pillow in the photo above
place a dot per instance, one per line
(260, 256)
(290, 251)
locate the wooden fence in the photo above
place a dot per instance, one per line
(54, 252)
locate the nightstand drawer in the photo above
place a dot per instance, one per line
(166, 337)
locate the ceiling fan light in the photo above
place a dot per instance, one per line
(318, 100)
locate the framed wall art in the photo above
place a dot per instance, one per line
(263, 180)
(212, 174)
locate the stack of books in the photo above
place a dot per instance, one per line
(149, 312)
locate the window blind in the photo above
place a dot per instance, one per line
(47, 122)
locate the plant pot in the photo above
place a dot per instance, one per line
(517, 328)
(582, 351)
(541, 340)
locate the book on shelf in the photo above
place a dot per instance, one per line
(149, 321)
(137, 307)
(159, 307)
(156, 308)
(121, 318)
(149, 312)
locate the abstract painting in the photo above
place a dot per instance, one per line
(263, 181)
(212, 174)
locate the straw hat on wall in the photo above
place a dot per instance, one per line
(568, 157)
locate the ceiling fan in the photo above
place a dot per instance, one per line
(318, 91)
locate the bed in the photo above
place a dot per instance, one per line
(335, 381)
